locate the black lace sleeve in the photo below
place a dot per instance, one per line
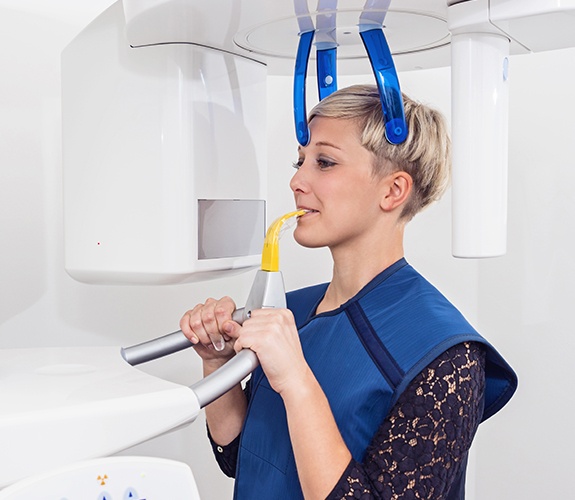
(417, 451)
(227, 456)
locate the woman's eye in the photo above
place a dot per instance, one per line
(323, 163)
(297, 164)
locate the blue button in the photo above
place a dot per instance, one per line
(131, 494)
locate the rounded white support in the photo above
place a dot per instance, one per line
(479, 79)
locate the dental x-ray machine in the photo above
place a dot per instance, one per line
(164, 151)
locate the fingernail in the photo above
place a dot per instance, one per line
(218, 342)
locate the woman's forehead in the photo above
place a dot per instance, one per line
(333, 132)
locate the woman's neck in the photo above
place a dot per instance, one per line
(354, 269)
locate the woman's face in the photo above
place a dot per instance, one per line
(335, 180)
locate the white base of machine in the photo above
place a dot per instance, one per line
(64, 405)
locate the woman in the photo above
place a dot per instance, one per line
(371, 386)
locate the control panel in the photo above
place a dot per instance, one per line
(113, 478)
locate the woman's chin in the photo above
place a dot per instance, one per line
(307, 240)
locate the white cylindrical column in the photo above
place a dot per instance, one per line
(479, 80)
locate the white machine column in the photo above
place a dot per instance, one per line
(480, 98)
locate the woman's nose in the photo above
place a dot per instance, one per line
(298, 180)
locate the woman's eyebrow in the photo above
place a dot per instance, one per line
(325, 143)
(321, 143)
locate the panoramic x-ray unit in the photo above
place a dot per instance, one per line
(164, 153)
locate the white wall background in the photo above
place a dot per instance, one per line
(521, 302)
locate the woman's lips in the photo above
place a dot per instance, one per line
(308, 213)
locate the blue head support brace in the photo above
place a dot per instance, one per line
(373, 38)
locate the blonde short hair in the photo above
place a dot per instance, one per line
(425, 155)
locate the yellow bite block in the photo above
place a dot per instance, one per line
(270, 252)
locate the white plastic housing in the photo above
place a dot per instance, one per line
(164, 152)
(480, 98)
(61, 405)
(212, 24)
(537, 24)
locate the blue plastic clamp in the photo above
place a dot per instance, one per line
(387, 84)
(326, 71)
(300, 73)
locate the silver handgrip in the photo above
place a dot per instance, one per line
(167, 344)
(224, 378)
(267, 291)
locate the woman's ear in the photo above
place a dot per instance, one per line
(397, 188)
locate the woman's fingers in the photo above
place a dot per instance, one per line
(222, 312)
(210, 324)
(273, 336)
(203, 324)
(265, 326)
(191, 323)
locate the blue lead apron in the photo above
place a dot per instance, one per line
(363, 354)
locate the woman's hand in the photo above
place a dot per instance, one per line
(273, 336)
(204, 327)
